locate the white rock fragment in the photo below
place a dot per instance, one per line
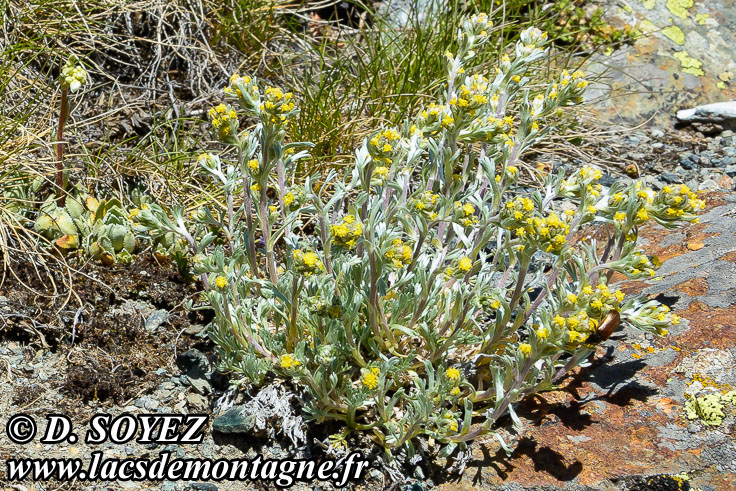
(720, 112)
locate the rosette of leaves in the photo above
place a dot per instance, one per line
(100, 228)
(111, 237)
(19, 192)
(409, 307)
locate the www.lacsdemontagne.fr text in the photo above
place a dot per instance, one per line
(281, 473)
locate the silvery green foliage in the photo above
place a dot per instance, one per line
(399, 292)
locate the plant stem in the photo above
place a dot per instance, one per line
(63, 116)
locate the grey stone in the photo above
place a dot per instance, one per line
(719, 112)
(200, 486)
(200, 385)
(154, 321)
(709, 185)
(237, 419)
(689, 161)
(196, 401)
(193, 363)
(408, 13)
(670, 178)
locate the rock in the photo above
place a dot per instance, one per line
(200, 385)
(607, 180)
(725, 182)
(154, 321)
(706, 158)
(670, 178)
(407, 13)
(237, 419)
(689, 160)
(196, 401)
(147, 402)
(722, 113)
(709, 185)
(193, 363)
(656, 133)
(200, 486)
(196, 330)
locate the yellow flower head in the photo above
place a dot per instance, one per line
(465, 264)
(525, 349)
(452, 373)
(370, 380)
(220, 282)
(288, 362)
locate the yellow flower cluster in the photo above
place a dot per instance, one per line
(431, 118)
(470, 96)
(347, 232)
(465, 264)
(276, 106)
(479, 25)
(518, 210)
(583, 181)
(239, 86)
(307, 263)
(288, 198)
(465, 214)
(383, 145)
(588, 307)
(225, 120)
(449, 419)
(575, 79)
(399, 254)
(426, 204)
(288, 362)
(640, 266)
(550, 231)
(574, 82)
(461, 267)
(657, 316)
(676, 203)
(370, 378)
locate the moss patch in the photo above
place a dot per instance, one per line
(648, 4)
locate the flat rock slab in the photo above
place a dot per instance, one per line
(684, 59)
(621, 422)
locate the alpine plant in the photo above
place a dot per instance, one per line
(422, 292)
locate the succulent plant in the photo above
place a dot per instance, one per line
(102, 229)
